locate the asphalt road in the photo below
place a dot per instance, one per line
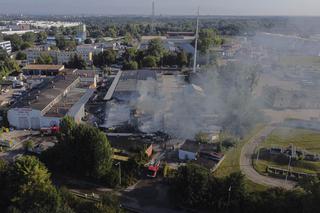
(246, 162)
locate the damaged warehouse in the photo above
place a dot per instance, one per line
(150, 101)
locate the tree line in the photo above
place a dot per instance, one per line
(194, 187)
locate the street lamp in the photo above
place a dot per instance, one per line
(285, 183)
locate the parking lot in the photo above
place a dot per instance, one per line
(19, 138)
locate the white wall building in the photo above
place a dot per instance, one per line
(46, 104)
(89, 48)
(59, 57)
(6, 45)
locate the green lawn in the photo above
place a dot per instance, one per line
(283, 137)
(302, 138)
(232, 159)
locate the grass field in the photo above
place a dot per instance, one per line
(307, 139)
(232, 160)
(301, 138)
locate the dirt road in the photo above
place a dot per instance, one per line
(246, 162)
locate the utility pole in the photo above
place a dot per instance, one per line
(285, 183)
(229, 196)
(119, 166)
(258, 154)
(153, 17)
(196, 44)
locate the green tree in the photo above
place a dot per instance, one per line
(65, 44)
(109, 57)
(182, 58)
(104, 58)
(170, 59)
(155, 49)
(3, 54)
(25, 45)
(82, 150)
(149, 61)
(28, 188)
(42, 37)
(130, 54)
(206, 40)
(21, 56)
(76, 62)
(29, 37)
(16, 41)
(131, 65)
(44, 58)
(9, 65)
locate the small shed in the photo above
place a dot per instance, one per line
(189, 150)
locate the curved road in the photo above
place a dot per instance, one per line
(246, 162)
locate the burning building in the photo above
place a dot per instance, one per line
(152, 102)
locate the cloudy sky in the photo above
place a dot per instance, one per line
(164, 7)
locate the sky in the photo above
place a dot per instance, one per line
(163, 7)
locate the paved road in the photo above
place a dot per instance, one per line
(246, 162)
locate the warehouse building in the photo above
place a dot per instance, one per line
(47, 103)
(126, 83)
(42, 69)
(59, 57)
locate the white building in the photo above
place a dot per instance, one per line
(59, 57)
(6, 45)
(47, 103)
(89, 48)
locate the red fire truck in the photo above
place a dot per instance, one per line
(50, 130)
(153, 169)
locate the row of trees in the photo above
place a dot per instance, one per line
(25, 41)
(154, 56)
(137, 27)
(193, 186)
(65, 44)
(104, 58)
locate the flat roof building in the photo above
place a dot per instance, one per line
(45, 104)
(6, 45)
(42, 69)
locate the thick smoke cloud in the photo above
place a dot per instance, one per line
(216, 97)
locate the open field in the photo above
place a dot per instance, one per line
(283, 137)
(232, 162)
(302, 138)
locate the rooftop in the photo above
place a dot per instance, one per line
(43, 67)
(127, 81)
(42, 95)
(190, 146)
(62, 107)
